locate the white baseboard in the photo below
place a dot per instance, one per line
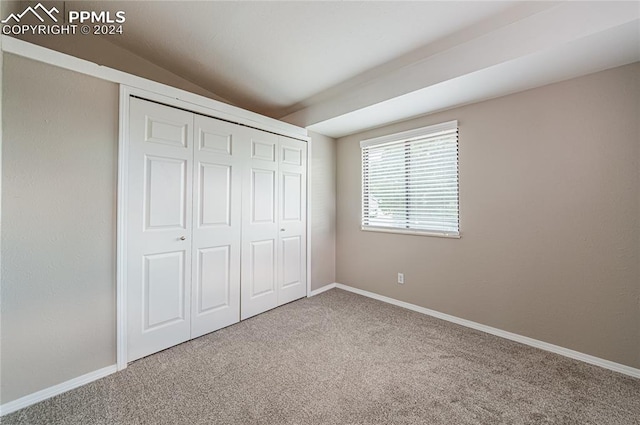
(321, 290)
(42, 395)
(607, 364)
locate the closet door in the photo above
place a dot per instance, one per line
(159, 226)
(260, 225)
(216, 227)
(218, 156)
(292, 241)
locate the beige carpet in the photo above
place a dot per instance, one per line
(339, 358)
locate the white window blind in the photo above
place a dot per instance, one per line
(410, 181)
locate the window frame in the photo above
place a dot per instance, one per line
(399, 138)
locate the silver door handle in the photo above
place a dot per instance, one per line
(282, 230)
(183, 238)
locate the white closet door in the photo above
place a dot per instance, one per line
(218, 156)
(292, 241)
(260, 225)
(159, 224)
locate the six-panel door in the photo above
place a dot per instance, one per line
(260, 225)
(159, 228)
(217, 177)
(292, 245)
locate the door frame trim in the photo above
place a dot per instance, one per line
(121, 228)
(121, 204)
(309, 148)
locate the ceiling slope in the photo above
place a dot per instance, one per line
(269, 57)
(555, 42)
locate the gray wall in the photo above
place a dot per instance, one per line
(58, 226)
(549, 215)
(323, 210)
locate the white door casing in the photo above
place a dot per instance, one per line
(159, 223)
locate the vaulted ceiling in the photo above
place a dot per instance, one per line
(341, 67)
(272, 56)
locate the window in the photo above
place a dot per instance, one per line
(410, 182)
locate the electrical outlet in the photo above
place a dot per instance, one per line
(401, 278)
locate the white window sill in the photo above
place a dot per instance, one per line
(410, 232)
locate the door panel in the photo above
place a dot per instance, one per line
(214, 283)
(159, 217)
(260, 225)
(161, 129)
(291, 197)
(165, 192)
(264, 150)
(292, 155)
(164, 289)
(292, 247)
(218, 159)
(215, 195)
(263, 201)
(291, 252)
(263, 266)
(216, 141)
